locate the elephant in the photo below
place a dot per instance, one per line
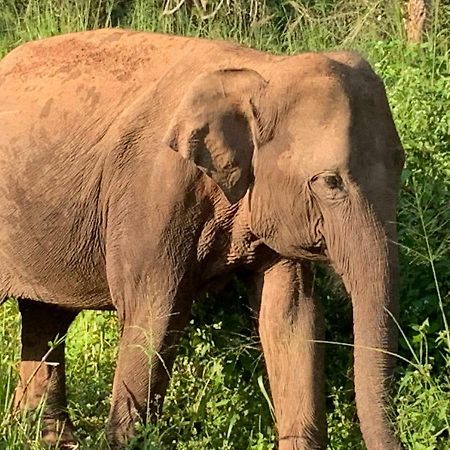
(140, 170)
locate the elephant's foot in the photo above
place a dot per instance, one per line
(121, 434)
(59, 433)
(298, 443)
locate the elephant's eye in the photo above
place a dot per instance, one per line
(333, 181)
(328, 186)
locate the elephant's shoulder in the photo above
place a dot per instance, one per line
(172, 165)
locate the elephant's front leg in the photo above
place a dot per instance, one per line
(151, 323)
(290, 320)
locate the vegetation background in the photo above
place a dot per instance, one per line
(218, 395)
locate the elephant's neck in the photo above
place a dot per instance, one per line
(226, 242)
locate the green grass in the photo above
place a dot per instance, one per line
(217, 398)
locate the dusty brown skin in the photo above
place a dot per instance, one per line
(137, 170)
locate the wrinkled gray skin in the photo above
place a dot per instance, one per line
(139, 170)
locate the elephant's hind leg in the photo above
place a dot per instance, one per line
(42, 369)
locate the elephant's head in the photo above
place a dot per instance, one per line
(316, 151)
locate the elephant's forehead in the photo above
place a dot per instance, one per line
(333, 120)
(318, 124)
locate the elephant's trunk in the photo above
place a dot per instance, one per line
(363, 253)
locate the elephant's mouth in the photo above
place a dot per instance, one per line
(316, 252)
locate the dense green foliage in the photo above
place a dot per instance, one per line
(217, 398)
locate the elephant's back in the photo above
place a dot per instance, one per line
(110, 55)
(52, 86)
(112, 58)
(78, 83)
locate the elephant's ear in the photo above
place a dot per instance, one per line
(216, 127)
